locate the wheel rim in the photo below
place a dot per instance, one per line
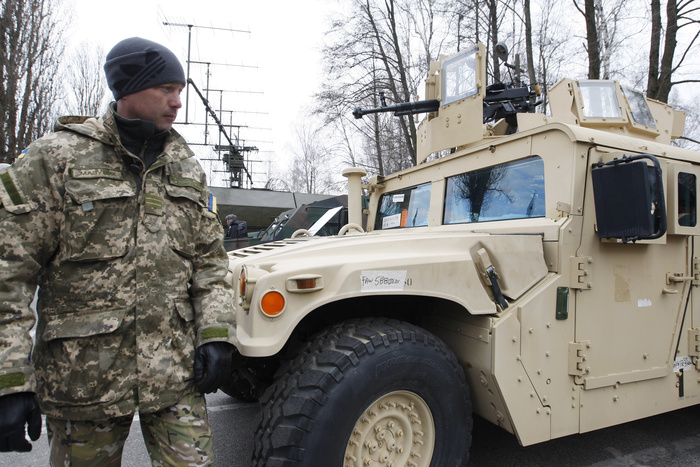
(396, 430)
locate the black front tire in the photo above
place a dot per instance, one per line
(372, 390)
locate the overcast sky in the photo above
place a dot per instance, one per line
(267, 73)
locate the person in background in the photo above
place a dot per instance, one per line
(111, 217)
(236, 228)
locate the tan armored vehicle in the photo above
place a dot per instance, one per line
(542, 274)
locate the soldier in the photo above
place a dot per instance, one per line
(235, 228)
(111, 218)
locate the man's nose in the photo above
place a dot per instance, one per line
(176, 102)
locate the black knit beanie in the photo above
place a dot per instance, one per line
(136, 64)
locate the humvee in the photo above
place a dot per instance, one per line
(540, 274)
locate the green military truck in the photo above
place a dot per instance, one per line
(541, 273)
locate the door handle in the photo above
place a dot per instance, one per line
(672, 278)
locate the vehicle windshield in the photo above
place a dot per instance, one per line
(507, 191)
(459, 77)
(404, 208)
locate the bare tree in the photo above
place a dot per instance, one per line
(311, 170)
(529, 52)
(602, 22)
(30, 52)
(691, 135)
(382, 46)
(551, 41)
(493, 15)
(86, 88)
(680, 15)
(487, 25)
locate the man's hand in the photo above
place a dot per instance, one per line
(16, 410)
(212, 365)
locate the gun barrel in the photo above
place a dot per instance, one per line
(405, 108)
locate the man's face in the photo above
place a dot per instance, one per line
(158, 104)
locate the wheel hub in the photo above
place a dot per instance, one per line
(396, 430)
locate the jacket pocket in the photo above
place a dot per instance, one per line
(100, 210)
(184, 212)
(80, 358)
(82, 324)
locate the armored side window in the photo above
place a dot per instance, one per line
(687, 200)
(508, 191)
(404, 208)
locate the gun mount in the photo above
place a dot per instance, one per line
(503, 100)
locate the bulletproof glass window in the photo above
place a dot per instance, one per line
(507, 191)
(404, 208)
(639, 107)
(459, 77)
(687, 199)
(599, 99)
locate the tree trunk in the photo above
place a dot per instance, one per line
(592, 41)
(654, 49)
(493, 26)
(528, 44)
(666, 71)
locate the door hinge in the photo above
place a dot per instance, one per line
(694, 346)
(581, 272)
(577, 358)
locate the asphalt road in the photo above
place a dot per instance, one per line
(669, 440)
(233, 426)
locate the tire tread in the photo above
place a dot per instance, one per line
(302, 385)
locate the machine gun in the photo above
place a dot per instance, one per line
(502, 101)
(404, 108)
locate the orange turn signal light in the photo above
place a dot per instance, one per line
(272, 303)
(303, 284)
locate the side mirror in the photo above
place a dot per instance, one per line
(629, 198)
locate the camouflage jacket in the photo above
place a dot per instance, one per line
(130, 266)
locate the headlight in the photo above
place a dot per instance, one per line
(242, 284)
(246, 284)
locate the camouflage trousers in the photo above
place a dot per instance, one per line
(177, 436)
